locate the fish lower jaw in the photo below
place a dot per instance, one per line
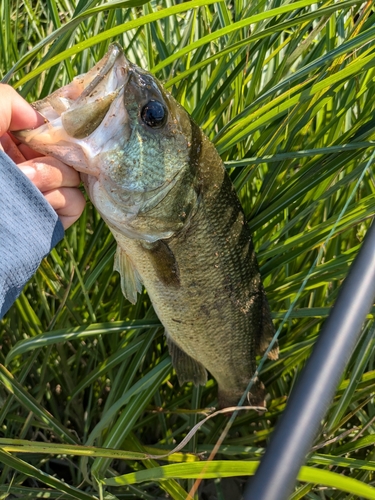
(52, 140)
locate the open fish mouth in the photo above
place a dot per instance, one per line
(127, 137)
(78, 118)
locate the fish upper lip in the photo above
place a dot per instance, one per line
(108, 66)
(115, 55)
(114, 52)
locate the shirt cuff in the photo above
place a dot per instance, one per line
(29, 229)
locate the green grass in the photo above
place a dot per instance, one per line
(286, 92)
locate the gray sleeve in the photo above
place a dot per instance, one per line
(29, 229)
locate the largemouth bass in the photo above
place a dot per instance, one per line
(161, 187)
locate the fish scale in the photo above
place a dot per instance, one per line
(162, 188)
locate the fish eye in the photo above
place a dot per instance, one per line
(154, 114)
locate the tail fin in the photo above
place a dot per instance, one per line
(256, 396)
(268, 331)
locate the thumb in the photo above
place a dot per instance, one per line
(15, 112)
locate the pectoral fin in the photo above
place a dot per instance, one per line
(187, 368)
(131, 283)
(164, 262)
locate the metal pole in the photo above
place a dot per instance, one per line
(313, 393)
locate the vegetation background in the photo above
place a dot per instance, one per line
(285, 89)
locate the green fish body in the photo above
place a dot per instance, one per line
(161, 187)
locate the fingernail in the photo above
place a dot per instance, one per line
(28, 171)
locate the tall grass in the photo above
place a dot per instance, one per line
(285, 90)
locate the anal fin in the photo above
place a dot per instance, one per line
(131, 282)
(187, 368)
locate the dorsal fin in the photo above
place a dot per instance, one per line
(131, 282)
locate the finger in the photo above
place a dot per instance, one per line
(27, 152)
(10, 148)
(48, 173)
(16, 113)
(68, 204)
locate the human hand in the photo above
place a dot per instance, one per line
(57, 181)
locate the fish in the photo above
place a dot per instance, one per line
(161, 187)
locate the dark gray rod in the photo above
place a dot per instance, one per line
(313, 393)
